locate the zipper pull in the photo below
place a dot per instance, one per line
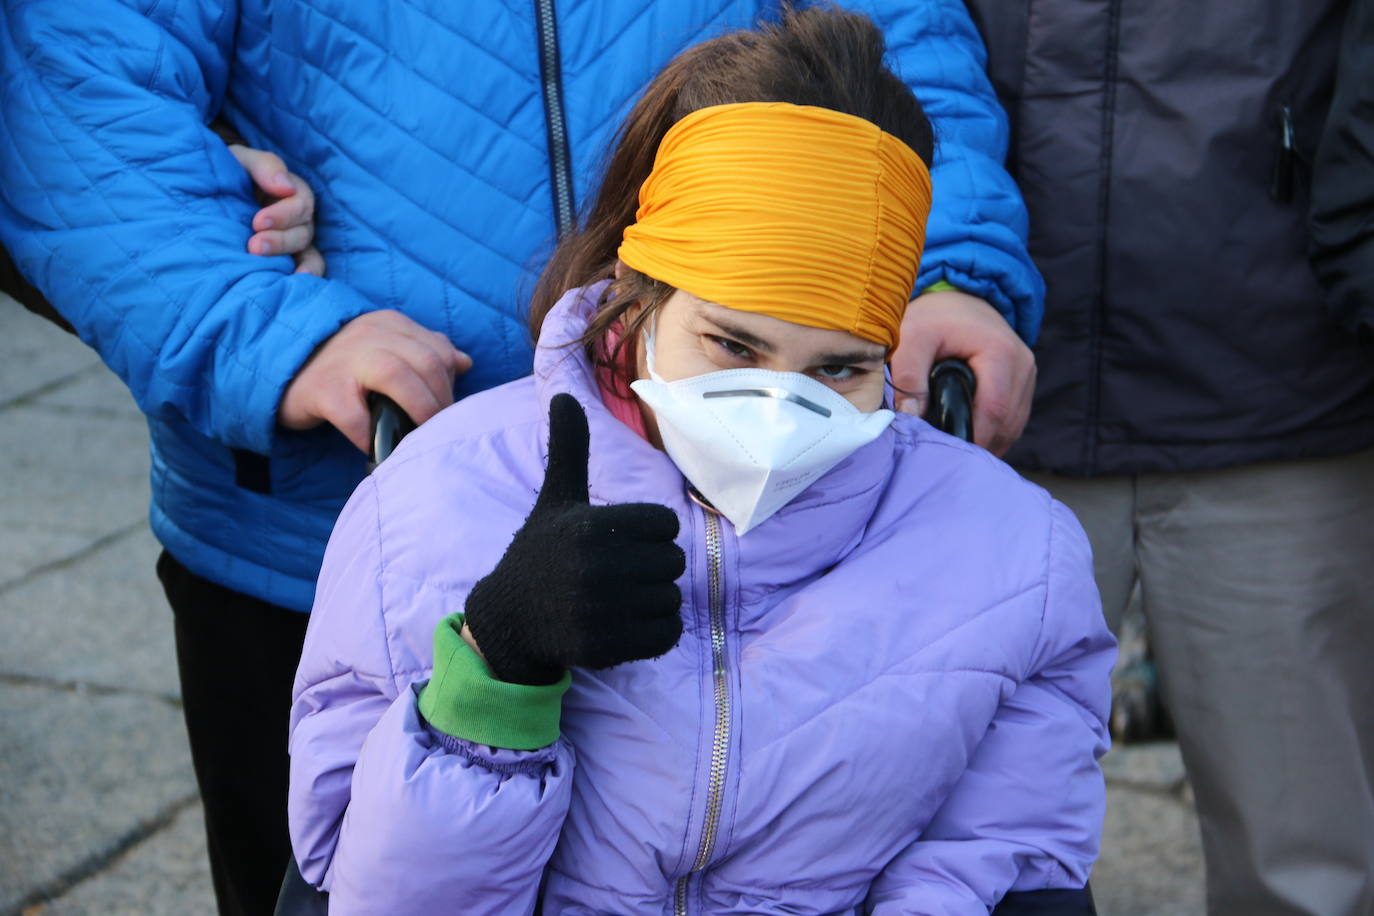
(1281, 188)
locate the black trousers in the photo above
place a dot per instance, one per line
(237, 658)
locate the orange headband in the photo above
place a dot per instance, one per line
(796, 212)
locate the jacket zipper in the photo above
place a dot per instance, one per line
(555, 120)
(1097, 318)
(720, 742)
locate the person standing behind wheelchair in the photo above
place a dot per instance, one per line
(447, 147)
(1201, 410)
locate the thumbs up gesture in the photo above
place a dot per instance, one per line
(580, 585)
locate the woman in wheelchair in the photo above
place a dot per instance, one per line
(689, 620)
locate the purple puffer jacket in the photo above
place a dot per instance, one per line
(888, 698)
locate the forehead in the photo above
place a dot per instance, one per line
(783, 336)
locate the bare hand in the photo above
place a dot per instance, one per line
(947, 324)
(286, 223)
(384, 352)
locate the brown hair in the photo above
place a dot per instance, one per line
(819, 56)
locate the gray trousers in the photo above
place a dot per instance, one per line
(1258, 591)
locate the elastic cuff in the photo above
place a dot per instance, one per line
(941, 286)
(462, 698)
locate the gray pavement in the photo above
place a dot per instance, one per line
(98, 808)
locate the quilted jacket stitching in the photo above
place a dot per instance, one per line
(382, 239)
(171, 194)
(469, 107)
(132, 258)
(158, 54)
(363, 103)
(475, 45)
(619, 111)
(246, 74)
(381, 575)
(419, 206)
(889, 670)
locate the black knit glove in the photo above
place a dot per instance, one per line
(580, 585)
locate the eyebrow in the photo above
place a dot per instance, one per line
(853, 356)
(823, 359)
(740, 334)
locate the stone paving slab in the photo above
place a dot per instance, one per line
(71, 473)
(101, 620)
(168, 875)
(81, 775)
(1157, 765)
(98, 392)
(1151, 862)
(35, 353)
(28, 549)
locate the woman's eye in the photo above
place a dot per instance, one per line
(736, 350)
(836, 373)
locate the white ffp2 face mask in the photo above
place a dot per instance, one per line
(750, 440)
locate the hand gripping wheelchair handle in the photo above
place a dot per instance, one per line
(390, 424)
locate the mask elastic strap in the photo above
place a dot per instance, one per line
(649, 346)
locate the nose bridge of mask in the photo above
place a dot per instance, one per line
(764, 425)
(770, 391)
(649, 346)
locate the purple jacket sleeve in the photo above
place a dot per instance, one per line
(387, 814)
(1027, 813)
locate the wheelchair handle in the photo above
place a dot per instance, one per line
(390, 424)
(950, 408)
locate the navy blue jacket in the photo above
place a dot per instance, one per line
(1164, 150)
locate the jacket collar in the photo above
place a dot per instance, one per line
(623, 467)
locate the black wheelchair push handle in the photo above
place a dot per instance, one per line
(950, 407)
(390, 424)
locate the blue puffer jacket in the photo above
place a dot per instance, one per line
(425, 128)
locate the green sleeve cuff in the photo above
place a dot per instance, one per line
(462, 698)
(941, 286)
